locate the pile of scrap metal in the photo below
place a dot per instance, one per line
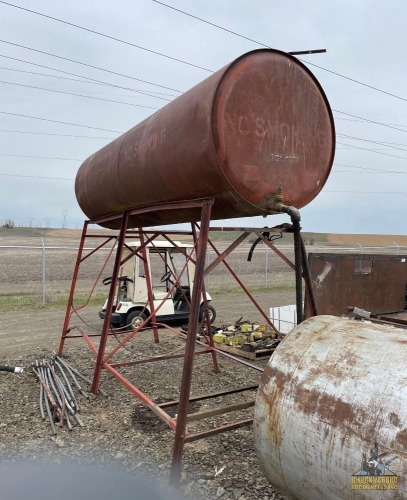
(246, 336)
(58, 383)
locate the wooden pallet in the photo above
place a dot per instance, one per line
(237, 351)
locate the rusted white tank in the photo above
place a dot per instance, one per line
(331, 412)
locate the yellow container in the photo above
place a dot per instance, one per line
(219, 338)
(241, 339)
(233, 341)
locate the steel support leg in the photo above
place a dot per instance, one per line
(180, 430)
(72, 291)
(106, 323)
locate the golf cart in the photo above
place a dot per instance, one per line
(171, 279)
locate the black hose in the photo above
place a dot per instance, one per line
(296, 227)
(266, 235)
(256, 242)
(298, 269)
(12, 369)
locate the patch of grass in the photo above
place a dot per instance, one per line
(26, 232)
(96, 299)
(258, 289)
(16, 294)
(26, 300)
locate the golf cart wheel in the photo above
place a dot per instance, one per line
(135, 319)
(212, 313)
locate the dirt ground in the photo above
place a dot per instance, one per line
(118, 429)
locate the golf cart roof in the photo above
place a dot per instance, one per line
(162, 244)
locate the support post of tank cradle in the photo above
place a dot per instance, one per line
(109, 308)
(72, 290)
(149, 284)
(208, 322)
(180, 430)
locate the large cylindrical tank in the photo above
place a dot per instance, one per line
(331, 412)
(261, 122)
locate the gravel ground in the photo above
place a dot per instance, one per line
(118, 429)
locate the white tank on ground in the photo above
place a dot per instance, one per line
(331, 411)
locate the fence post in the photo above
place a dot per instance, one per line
(267, 266)
(43, 271)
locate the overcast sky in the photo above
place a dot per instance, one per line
(365, 41)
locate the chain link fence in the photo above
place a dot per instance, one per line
(35, 275)
(39, 275)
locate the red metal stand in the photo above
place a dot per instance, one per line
(193, 347)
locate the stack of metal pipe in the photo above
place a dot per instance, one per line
(58, 383)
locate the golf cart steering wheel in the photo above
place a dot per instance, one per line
(167, 277)
(122, 279)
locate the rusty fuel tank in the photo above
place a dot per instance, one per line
(331, 412)
(261, 122)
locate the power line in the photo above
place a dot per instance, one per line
(392, 145)
(375, 149)
(100, 82)
(88, 65)
(36, 177)
(104, 35)
(82, 79)
(70, 93)
(213, 24)
(268, 47)
(42, 74)
(370, 169)
(41, 157)
(186, 62)
(368, 121)
(366, 192)
(149, 107)
(372, 151)
(61, 122)
(356, 81)
(365, 173)
(168, 88)
(179, 60)
(77, 95)
(369, 173)
(58, 135)
(385, 143)
(361, 121)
